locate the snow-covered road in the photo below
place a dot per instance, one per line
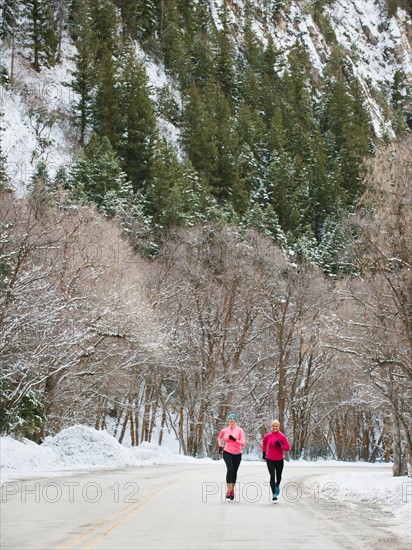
(183, 506)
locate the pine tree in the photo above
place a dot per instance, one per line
(106, 108)
(250, 87)
(98, 174)
(399, 101)
(187, 10)
(147, 21)
(346, 125)
(41, 191)
(252, 47)
(9, 11)
(277, 135)
(271, 62)
(50, 32)
(172, 41)
(323, 192)
(40, 30)
(201, 70)
(224, 56)
(249, 169)
(104, 26)
(129, 16)
(84, 74)
(298, 116)
(24, 418)
(252, 132)
(175, 194)
(281, 191)
(198, 135)
(203, 19)
(225, 181)
(139, 122)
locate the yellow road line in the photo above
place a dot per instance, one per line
(116, 525)
(122, 515)
(93, 528)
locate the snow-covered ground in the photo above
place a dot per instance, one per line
(81, 448)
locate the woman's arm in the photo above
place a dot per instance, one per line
(285, 444)
(219, 439)
(241, 439)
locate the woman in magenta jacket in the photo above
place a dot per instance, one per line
(232, 452)
(273, 446)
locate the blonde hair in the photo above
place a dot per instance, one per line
(275, 422)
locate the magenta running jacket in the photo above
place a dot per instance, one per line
(271, 449)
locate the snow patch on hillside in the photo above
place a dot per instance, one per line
(37, 111)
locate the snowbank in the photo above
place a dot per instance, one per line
(78, 447)
(392, 495)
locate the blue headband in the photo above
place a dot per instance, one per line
(232, 416)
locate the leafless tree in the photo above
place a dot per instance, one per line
(376, 321)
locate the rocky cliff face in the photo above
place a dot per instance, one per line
(376, 45)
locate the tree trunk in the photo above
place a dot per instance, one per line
(59, 48)
(162, 423)
(122, 433)
(398, 469)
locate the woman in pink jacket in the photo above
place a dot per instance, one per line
(232, 452)
(273, 445)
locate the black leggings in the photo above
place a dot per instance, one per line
(275, 466)
(232, 465)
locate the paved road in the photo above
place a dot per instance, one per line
(183, 507)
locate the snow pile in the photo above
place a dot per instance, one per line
(83, 446)
(78, 447)
(25, 455)
(149, 453)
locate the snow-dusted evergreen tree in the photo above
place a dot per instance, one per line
(198, 134)
(175, 195)
(98, 176)
(9, 11)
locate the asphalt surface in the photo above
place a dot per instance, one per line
(184, 507)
